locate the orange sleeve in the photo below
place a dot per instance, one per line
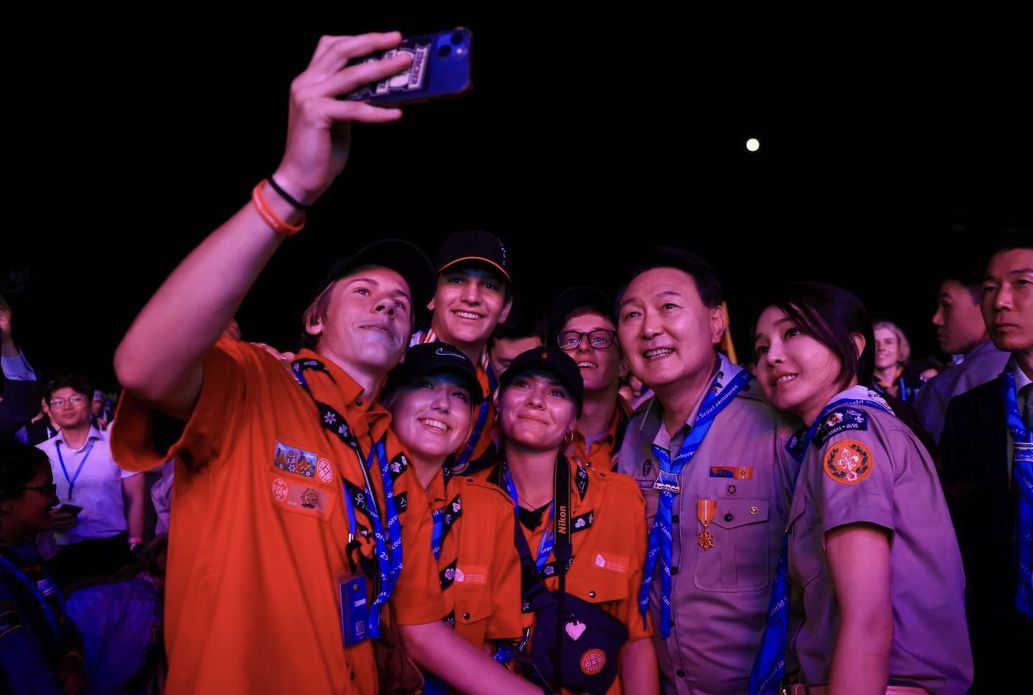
(417, 596)
(227, 367)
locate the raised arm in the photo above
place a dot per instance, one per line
(159, 359)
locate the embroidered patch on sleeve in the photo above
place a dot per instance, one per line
(840, 420)
(848, 461)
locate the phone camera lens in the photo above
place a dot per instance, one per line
(445, 51)
(457, 38)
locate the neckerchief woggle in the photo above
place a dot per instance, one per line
(429, 336)
(660, 543)
(389, 544)
(44, 604)
(769, 666)
(82, 462)
(1022, 471)
(545, 544)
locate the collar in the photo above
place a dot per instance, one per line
(436, 492)
(652, 424)
(94, 434)
(1021, 380)
(365, 416)
(857, 393)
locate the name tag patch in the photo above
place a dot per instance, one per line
(299, 461)
(299, 497)
(736, 472)
(613, 563)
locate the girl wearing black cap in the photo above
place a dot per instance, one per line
(581, 537)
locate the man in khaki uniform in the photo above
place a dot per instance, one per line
(733, 494)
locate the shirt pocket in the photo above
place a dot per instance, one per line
(740, 559)
(473, 607)
(601, 577)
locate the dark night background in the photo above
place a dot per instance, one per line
(885, 145)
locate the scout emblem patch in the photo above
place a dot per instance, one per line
(705, 511)
(293, 460)
(848, 462)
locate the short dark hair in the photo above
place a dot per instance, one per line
(19, 463)
(702, 273)
(832, 316)
(524, 321)
(1007, 240)
(76, 382)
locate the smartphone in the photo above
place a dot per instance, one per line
(440, 68)
(72, 509)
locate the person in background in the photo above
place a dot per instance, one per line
(520, 332)
(40, 649)
(20, 389)
(98, 532)
(892, 352)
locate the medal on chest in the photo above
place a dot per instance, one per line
(705, 511)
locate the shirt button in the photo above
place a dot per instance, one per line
(358, 401)
(466, 616)
(591, 594)
(753, 510)
(680, 673)
(674, 519)
(674, 571)
(728, 517)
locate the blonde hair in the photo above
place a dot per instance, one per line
(903, 346)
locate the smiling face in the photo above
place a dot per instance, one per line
(432, 416)
(367, 323)
(601, 369)
(667, 333)
(69, 408)
(469, 303)
(536, 412)
(887, 348)
(797, 373)
(1007, 303)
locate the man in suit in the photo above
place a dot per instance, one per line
(987, 447)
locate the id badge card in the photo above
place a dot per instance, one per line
(354, 610)
(1023, 452)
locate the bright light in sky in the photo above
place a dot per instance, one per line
(753, 144)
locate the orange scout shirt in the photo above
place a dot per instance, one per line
(480, 576)
(259, 529)
(602, 452)
(608, 542)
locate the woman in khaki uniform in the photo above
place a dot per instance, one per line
(871, 544)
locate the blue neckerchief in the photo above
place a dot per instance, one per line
(438, 515)
(660, 543)
(389, 544)
(1022, 471)
(769, 666)
(48, 611)
(545, 544)
(82, 462)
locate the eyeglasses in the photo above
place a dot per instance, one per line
(74, 400)
(45, 489)
(599, 339)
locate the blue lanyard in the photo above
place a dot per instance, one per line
(82, 462)
(660, 543)
(1022, 471)
(769, 666)
(48, 611)
(545, 544)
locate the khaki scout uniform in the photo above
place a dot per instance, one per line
(877, 472)
(719, 597)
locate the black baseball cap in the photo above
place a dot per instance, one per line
(550, 359)
(474, 246)
(435, 358)
(404, 258)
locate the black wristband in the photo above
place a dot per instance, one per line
(287, 196)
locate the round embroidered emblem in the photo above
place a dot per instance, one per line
(848, 461)
(324, 470)
(280, 490)
(592, 662)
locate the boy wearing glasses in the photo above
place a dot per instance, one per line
(583, 326)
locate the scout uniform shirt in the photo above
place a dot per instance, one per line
(479, 571)
(608, 544)
(259, 529)
(864, 466)
(601, 452)
(743, 474)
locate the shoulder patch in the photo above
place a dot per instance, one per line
(842, 419)
(847, 461)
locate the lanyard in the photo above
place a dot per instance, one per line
(545, 544)
(660, 543)
(82, 462)
(769, 666)
(1022, 471)
(37, 593)
(389, 543)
